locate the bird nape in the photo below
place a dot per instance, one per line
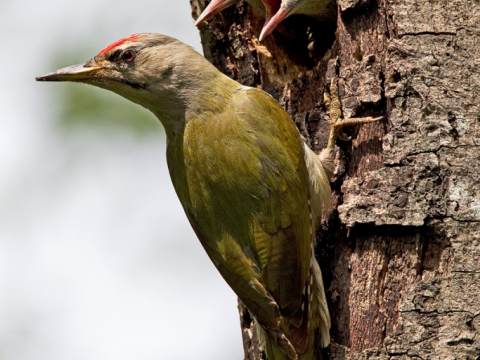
(254, 199)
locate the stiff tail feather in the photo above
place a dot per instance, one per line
(272, 350)
(276, 344)
(322, 307)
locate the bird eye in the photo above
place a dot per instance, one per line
(129, 56)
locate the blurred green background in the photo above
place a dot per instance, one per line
(90, 107)
(97, 259)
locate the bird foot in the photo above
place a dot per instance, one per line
(337, 123)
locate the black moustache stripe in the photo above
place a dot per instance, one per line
(135, 85)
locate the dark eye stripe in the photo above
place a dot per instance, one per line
(115, 55)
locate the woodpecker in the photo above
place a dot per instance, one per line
(275, 11)
(252, 190)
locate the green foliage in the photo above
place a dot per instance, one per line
(97, 108)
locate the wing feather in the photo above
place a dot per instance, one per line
(245, 190)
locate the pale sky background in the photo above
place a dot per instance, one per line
(97, 259)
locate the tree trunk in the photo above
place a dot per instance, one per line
(401, 253)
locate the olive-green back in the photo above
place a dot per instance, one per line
(240, 174)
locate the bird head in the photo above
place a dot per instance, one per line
(153, 70)
(130, 66)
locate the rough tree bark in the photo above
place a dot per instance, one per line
(401, 252)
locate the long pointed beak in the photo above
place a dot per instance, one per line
(71, 73)
(214, 8)
(272, 23)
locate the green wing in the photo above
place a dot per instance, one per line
(244, 189)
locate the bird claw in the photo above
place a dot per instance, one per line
(337, 123)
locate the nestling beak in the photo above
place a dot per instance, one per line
(80, 72)
(214, 8)
(271, 23)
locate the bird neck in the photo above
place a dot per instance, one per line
(193, 95)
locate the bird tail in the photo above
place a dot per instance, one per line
(273, 351)
(320, 311)
(278, 346)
